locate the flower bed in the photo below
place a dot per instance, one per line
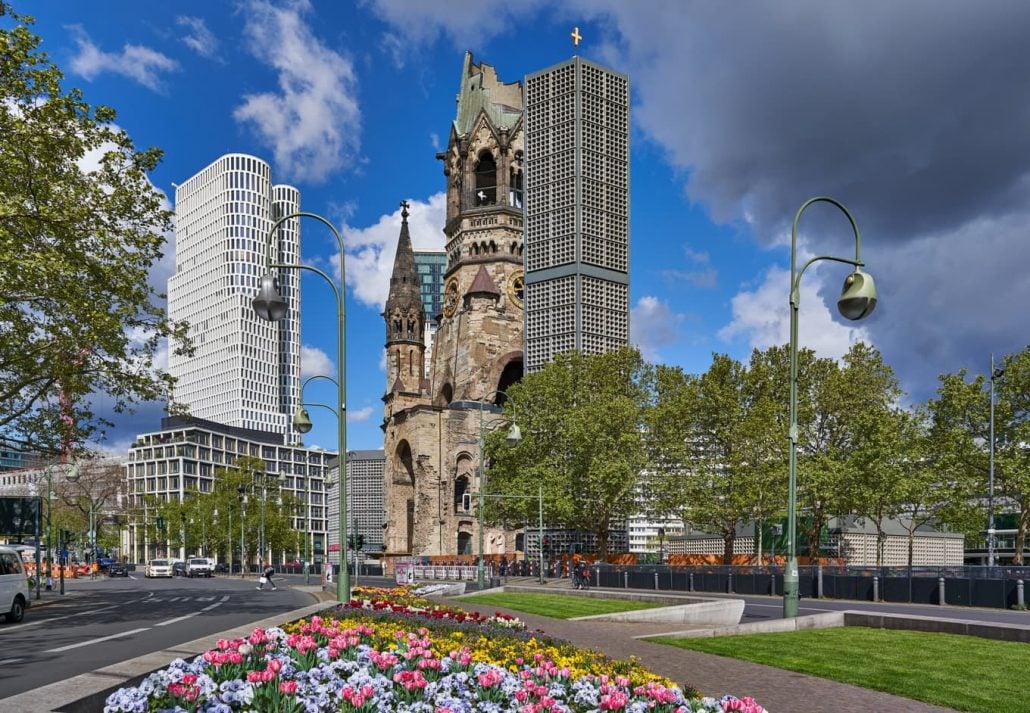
(395, 651)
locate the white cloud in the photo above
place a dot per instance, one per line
(313, 123)
(136, 62)
(762, 316)
(315, 362)
(198, 37)
(465, 23)
(360, 415)
(370, 251)
(653, 324)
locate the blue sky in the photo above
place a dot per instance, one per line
(912, 114)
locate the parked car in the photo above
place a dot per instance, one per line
(159, 568)
(222, 567)
(200, 567)
(14, 586)
(118, 569)
(178, 568)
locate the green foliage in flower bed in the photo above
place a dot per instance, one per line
(965, 673)
(559, 606)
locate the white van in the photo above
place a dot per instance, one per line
(14, 587)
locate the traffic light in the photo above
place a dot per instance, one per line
(66, 536)
(160, 523)
(355, 542)
(546, 544)
(466, 502)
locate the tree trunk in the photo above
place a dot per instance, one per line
(1024, 521)
(602, 543)
(728, 539)
(911, 544)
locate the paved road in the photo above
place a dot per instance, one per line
(109, 620)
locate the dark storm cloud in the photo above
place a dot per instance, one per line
(916, 115)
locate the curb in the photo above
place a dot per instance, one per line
(87, 692)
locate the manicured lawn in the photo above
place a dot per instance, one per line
(961, 672)
(558, 606)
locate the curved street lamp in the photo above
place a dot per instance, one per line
(857, 301)
(302, 424)
(513, 438)
(269, 304)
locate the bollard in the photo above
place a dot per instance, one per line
(656, 580)
(940, 591)
(876, 588)
(729, 583)
(819, 582)
(1020, 603)
(690, 582)
(625, 580)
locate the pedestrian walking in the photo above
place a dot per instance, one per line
(266, 578)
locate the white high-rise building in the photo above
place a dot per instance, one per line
(245, 371)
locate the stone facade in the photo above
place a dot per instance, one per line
(432, 451)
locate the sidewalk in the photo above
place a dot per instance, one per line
(778, 690)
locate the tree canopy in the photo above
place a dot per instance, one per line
(81, 227)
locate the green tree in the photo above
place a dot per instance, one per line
(81, 226)
(582, 423)
(961, 436)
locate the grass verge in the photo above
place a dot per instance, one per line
(961, 672)
(559, 606)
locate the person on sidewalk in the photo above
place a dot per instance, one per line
(266, 577)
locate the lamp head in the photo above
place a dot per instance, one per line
(72, 474)
(997, 373)
(514, 436)
(858, 296)
(268, 303)
(301, 420)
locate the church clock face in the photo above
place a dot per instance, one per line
(450, 297)
(516, 288)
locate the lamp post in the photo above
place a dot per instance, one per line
(262, 539)
(270, 305)
(302, 424)
(857, 301)
(996, 373)
(242, 497)
(513, 438)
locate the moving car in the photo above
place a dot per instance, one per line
(200, 567)
(118, 569)
(178, 568)
(14, 586)
(159, 568)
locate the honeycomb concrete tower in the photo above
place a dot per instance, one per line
(431, 449)
(245, 371)
(577, 210)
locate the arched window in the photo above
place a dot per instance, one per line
(515, 192)
(461, 486)
(493, 247)
(486, 179)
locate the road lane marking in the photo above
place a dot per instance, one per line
(5, 662)
(96, 641)
(37, 622)
(209, 607)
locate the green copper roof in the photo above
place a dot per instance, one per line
(481, 90)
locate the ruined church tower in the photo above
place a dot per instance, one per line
(431, 422)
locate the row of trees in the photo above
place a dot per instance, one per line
(215, 521)
(612, 436)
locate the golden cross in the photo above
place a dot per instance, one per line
(576, 37)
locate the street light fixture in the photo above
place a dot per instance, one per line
(302, 424)
(996, 373)
(269, 304)
(857, 301)
(513, 438)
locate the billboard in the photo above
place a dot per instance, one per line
(18, 516)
